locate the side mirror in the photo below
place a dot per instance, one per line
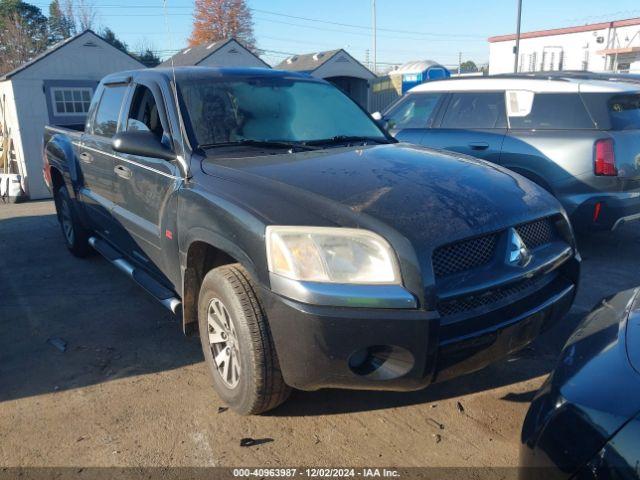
(144, 144)
(380, 120)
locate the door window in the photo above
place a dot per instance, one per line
(483, 110)
(106, 121)
(144, 115)
(555, 111)
(415, 111)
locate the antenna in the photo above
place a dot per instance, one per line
(183, 130)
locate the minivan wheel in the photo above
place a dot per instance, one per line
(75, 235)
(237, 344)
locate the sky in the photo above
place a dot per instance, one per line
(407, 29)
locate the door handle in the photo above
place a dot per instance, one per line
(86, 158)
(479, 145)
(123, 172)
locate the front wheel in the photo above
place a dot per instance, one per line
(237, 344)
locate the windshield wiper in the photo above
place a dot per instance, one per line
(247, 142)
(347, 139)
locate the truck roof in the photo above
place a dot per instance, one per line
(537, 85)
(204, 72)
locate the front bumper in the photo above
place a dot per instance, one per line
(398, 349)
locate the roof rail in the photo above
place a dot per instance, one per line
(568, 75)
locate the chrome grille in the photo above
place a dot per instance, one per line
(537, 233)
(465, 255)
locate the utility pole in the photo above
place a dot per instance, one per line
(516, 49)
(375, 40)
(459, 63)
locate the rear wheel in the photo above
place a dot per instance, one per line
(237, 343)
(75, 235)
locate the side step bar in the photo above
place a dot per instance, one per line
(165, 296)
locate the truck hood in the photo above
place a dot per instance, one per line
(431, 197)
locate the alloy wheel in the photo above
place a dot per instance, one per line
(223, 342)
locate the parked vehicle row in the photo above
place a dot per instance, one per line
(576, 137)
(310, 249)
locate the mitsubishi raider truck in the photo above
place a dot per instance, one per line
(579, 138)
(307, 247)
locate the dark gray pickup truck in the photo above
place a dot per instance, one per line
(307, 247)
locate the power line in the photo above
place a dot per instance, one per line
(284, 15)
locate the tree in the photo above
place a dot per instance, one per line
(81, 15)
(110, 37)
(216, 20)
(23, 33)
(144, 52)
(148, 58)
(468, 67)
(60, 26)
(85, 15)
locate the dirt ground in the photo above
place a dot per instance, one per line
(130, 390)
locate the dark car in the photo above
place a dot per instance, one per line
(308, 248)
(579, 138)
(585, 421)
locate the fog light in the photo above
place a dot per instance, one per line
(381, 362)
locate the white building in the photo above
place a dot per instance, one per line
(225, 53)
(608, 46)
(54, 88)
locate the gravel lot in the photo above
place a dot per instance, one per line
(130, 390)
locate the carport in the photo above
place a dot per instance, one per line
(337, 67)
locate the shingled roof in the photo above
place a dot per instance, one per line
(193, 56)
(308, 62)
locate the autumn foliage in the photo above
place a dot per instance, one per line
(216, 20)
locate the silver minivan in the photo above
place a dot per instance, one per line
(578, 138)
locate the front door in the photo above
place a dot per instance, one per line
(474, 123)
(409, 118)
(144, 185)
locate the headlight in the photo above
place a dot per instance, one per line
(331, 255)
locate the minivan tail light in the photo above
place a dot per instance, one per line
(605, 161)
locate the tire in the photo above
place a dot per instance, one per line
(75, 235)
(234, 330)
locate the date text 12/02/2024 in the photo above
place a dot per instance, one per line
(316, 472)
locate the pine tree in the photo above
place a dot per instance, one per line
(147, 58)
(60, 27)
(109, 36)
(216, 20)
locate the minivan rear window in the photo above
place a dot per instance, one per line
(555, 111)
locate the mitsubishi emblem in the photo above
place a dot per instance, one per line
(518, 254)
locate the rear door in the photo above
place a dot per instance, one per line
(96, 158)
(410, 117)
(551, 141)
(473, 123)
(144, 185)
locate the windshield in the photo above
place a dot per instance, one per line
(271, 109)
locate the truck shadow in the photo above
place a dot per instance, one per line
(70, 323)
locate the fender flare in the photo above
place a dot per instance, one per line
(190, 278)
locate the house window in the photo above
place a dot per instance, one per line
(71, 101)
